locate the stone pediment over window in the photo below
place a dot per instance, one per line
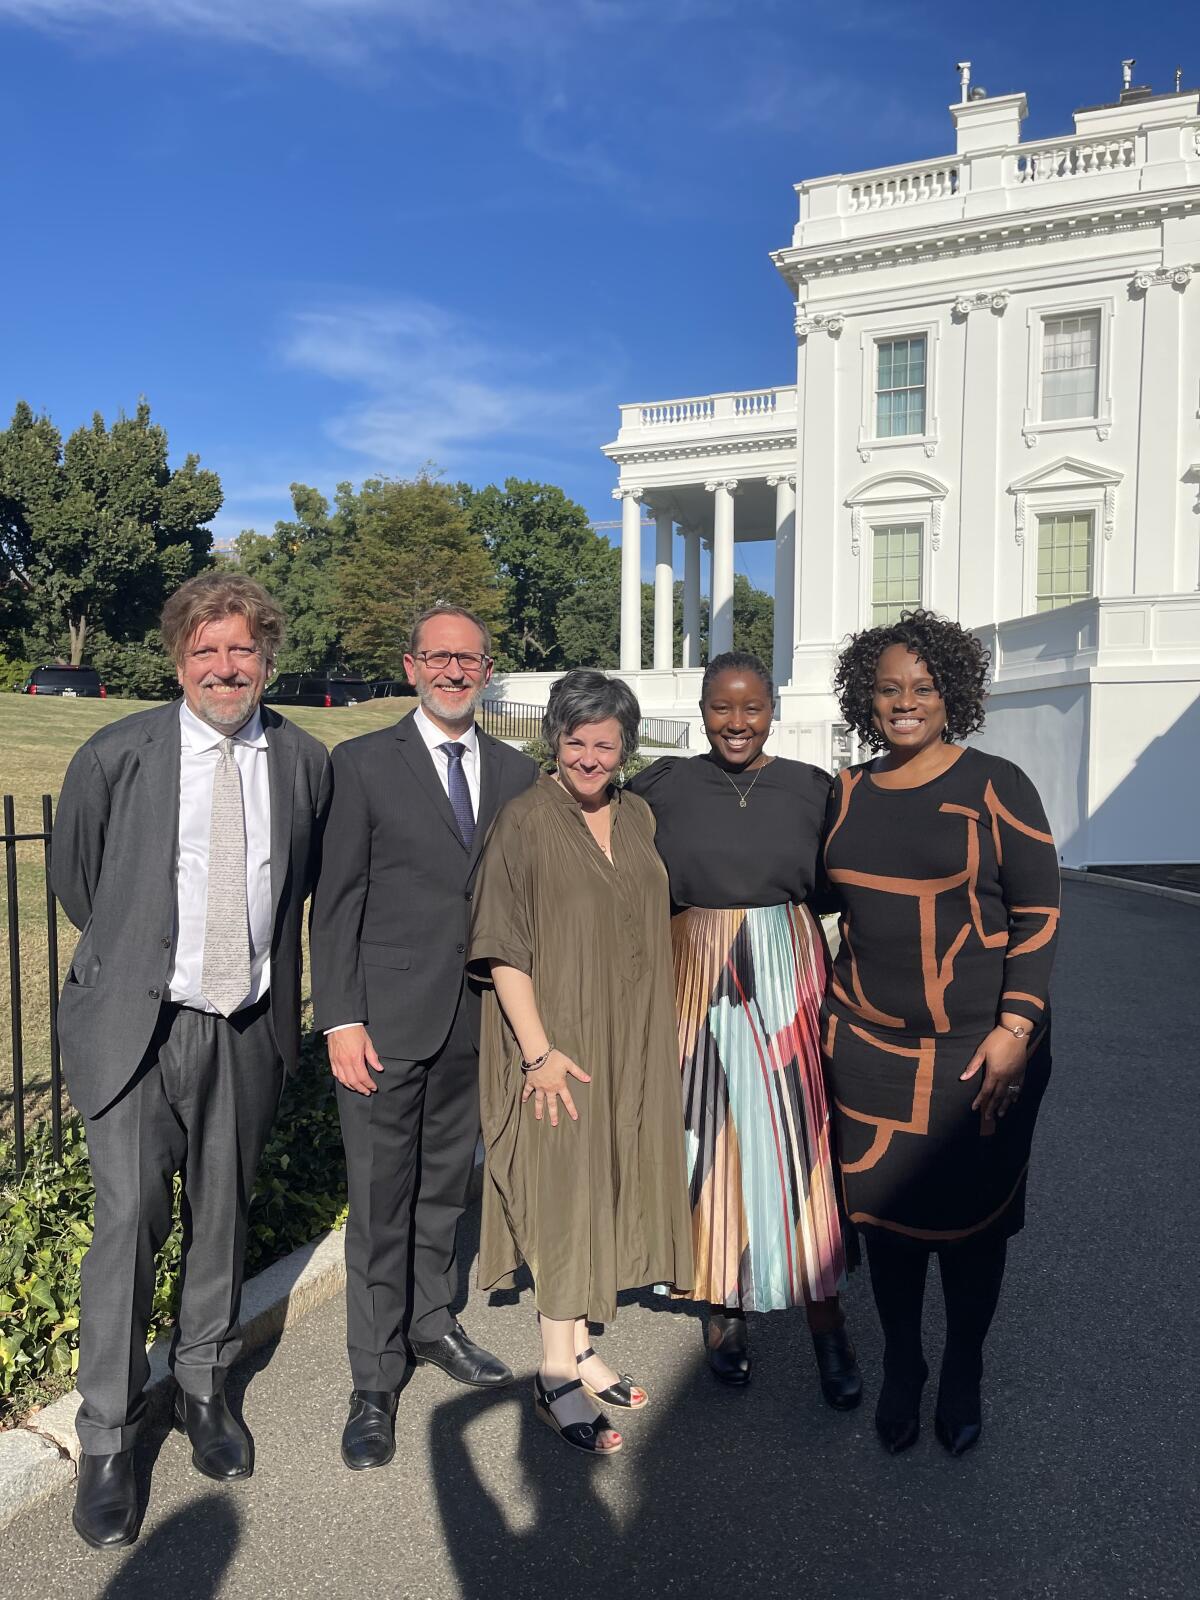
(895, 493)
(1065, 482)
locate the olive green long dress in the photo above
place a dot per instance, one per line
(598, 1205)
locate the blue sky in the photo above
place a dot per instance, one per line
(332, 238)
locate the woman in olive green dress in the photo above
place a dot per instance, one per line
(579, 1073)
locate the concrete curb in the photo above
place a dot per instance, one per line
(38, 1457)
(1162, 891)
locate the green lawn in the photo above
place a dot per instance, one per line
(38, 737)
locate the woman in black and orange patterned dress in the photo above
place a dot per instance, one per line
(937, 1022)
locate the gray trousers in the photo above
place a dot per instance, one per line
(410, 1149)
(201, 1104)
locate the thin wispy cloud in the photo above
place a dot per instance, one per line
(426, 384)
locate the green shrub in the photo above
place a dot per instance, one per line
(46, 1226)
(12, 672)
(540, 752)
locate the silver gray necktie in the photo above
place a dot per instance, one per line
(226, 973)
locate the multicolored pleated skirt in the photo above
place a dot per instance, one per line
(766, 1233)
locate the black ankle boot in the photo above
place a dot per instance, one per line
(898, 1409)
(841, 1381)
(728, 1347)
(106, 1505)
(220, 1445)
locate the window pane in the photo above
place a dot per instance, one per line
(900, 387)
(1070, 366)
(1065, 559)
(896, 570)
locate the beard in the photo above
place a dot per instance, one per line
(450, 708)
(227, 711)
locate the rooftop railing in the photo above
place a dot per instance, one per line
(737, 411)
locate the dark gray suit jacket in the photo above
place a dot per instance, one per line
(392, 908)
(113, 865)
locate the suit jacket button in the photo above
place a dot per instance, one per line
(153, 993)
(461, 949)
(470, 895)
(166, 943)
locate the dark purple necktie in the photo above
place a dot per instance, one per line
(460, 794)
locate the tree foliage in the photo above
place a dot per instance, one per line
(297, 564)
(95, 534)
(560, 577)
(406, 544)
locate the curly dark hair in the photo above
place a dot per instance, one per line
(734, 660)
(957, 662)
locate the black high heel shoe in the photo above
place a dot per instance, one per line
(898, 1411)
(728, 1346)
(624, 1393)
(841, 1381)
(957, 1418)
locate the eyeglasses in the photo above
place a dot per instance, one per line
(468, 660)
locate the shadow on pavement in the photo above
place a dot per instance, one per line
(187, 1555)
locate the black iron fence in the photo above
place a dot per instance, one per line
(506, 719)
(10, 839)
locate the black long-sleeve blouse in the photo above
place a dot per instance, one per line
(949, 899)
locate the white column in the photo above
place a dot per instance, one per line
(1159, 434)
(691, 597)
(664, 592)
(989, 579)
(720, 626)
(785, 576)
(631, 578)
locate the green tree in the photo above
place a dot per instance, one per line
(405, 544)
(561, 578)
(298, 565)
(753, 620)
(96, 534)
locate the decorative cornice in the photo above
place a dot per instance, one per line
(985, 300)
(1176, 277)
(731, 484)
(628, 494)
(830, 322)
(697, 451)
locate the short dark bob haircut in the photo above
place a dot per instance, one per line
(957, 662)
(734, 661)
(584, 696)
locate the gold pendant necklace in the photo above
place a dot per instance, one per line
(744, 795)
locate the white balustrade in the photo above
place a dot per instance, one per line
(1073, 158)
(891, 189)
(666, 412)
(711, 413)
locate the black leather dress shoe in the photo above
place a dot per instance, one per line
(462, 1359)
(106, 1507)
(220, 1445)
(956, 1437)
(369, 1437)
(728, 1347)
(841, 1381)
(898, 1412)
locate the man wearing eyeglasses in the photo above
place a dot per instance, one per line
(411, 809)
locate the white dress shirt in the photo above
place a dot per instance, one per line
(434, 737)
(199, 747)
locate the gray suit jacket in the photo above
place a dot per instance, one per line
(113, 868)
(392, 908)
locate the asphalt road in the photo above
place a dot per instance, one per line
(1085, 1484)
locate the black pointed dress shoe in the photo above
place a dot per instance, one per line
(462, 1359)
(220, 1445)
(369, 1437)
(841, 1381)
(956, 1437)
(728, 1346)
(106, 1506)
(898, 1412)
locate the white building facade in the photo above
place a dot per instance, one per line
(996, 414)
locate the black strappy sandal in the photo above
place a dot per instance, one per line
(583, 1436)
(617, 1394)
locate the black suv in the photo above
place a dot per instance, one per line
(81, 683)
(391, 688)
(310, 689)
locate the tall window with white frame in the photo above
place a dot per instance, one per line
(896, 575)
(900, 371)
(1070, 366)
(1065, 558)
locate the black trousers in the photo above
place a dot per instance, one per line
(201, 1104)
(410, 1148)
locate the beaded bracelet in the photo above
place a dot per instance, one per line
(532, 1066)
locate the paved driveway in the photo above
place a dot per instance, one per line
(1085, 1484)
